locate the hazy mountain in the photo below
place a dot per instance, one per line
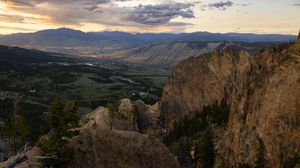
(170, 54)
(70, 41)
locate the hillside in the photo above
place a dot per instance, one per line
(170, 54)
(16, 55)
(262, 98)
(70, 41)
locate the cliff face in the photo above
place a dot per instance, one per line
(265, 107)
(263, 94)
(201, 81)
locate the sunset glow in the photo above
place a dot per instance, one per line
(256, 16)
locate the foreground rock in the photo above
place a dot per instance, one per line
(98, 146)
(30, 161)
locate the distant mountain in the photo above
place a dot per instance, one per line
(169, 54)
(76, 42)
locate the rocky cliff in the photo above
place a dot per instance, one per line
(263, 94)
(123, 146)
(200, 81)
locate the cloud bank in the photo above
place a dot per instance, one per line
(102, 12)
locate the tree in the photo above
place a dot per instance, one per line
(292, 162)
(209, 150)
(260, 158)
(182, 149)
(60, 118)
(55, 110)
(112, 112)
(70, 117)
(16, 129)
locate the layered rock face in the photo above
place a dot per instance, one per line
(263, 93)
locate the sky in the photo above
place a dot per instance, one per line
(241, 16)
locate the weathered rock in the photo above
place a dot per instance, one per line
(98, 146)
(263, 93)
(201, 81)
(265, 107)
(126, 109)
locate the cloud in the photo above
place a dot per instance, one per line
(160, 14)
(221, 5)
(17, 28)
(11, 18)
(32, 3)
(102, 12)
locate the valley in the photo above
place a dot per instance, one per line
(149, 84)
(96, 83)
(172, 104)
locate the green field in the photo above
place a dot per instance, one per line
(91, 86)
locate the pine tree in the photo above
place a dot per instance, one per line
(112, 111)
(70, 116)
(260, 158)
(60, 118)
(54, 115)
(15, 127)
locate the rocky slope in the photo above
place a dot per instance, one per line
(170, 54)
(263, 94)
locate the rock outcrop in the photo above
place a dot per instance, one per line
(263, 94)
(139, 117)
(201, 81)
(98, 146)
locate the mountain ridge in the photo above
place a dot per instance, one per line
(170, 54)
(69, 41)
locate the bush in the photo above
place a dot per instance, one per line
(56, 151)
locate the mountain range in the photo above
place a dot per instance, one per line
(170, 54)
(75, 42)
